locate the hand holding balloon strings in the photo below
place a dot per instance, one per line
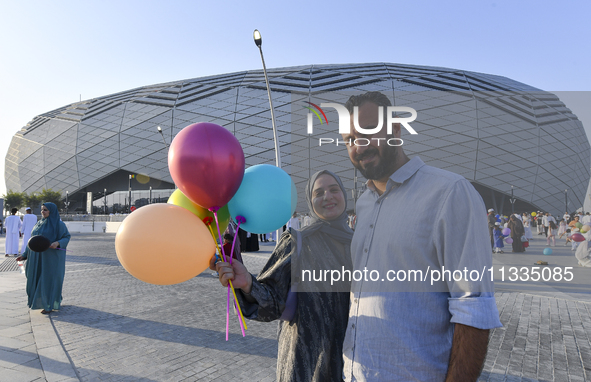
(205, 154)
(230, 286)
(208, 220)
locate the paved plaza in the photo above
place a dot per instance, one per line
(113, 327)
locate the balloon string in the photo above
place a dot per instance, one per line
(215, 215)
(235, 235)
(241, 318)
(208, 224)
(216, 243)
(230, 286)
(228, 313)
(240, 220)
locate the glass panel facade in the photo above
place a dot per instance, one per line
(494, 131)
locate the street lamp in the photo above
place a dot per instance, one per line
(258, 40)
(67, 203)
(167, 146)
(129, 193)
(105, 201)
(512, 200)
(566, 200)
(164, 140)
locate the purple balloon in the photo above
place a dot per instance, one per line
(206, 162)
(506, 231)
(508, 240)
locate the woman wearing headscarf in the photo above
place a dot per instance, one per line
(45, 270)
(517, 231)
(313, 322)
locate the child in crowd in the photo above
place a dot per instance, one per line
(569, 233)
(498, 236)
(551, 234)
(561, 228)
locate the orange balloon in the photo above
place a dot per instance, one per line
(163, 244)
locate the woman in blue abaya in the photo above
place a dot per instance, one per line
(45, 270)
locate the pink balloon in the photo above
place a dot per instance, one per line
(206, 162)
(509, 240)
(577, 237)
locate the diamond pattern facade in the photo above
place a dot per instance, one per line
(492, 130)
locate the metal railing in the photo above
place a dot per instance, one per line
(93, 218)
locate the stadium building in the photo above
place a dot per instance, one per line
(505, 137)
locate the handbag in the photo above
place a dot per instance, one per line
(523, 239)
(525, 244)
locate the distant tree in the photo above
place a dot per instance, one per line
(13, 199)
(48, 195)
(32, 200)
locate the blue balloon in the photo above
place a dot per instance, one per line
(498, 220)
(266, 198)
(547, 251)
(497, 216)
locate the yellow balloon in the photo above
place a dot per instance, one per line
(533, 214)
(179, 199)
(163, 244)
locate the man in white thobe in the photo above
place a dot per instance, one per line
(307, 221)
(29, 221)
(272, 236)
(294, 222)
(13, 225)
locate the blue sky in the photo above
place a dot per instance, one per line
(53, 53)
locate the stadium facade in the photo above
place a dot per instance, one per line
(506, 137)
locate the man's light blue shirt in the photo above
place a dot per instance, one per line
(426, 219)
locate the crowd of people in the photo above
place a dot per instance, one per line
(16, 229)
(520, 226)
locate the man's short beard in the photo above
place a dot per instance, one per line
(385, 166)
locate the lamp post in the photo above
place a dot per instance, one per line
(150, 198)
(67, 203)
(162, 134)
(566, 200)
(129, 194)
(512, 200)
(258, 40)
(105, 201)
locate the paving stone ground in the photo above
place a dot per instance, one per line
(113, 327)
